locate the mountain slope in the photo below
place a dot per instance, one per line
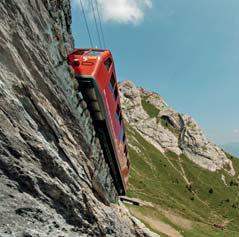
(177, 186)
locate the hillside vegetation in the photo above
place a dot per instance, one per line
(193, 201)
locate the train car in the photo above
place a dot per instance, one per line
(95, 72)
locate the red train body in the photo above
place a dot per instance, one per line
(95, 73)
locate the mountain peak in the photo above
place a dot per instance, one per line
(168, 130)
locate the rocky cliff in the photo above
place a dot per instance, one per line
(168, 130)
(54, 180)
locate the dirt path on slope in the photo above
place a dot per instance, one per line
(157, 225)
(177, 219)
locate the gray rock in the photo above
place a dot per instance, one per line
(169, 130)
(54, 180)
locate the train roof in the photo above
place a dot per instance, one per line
(89, 50)
(102, 53)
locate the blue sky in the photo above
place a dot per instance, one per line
(187, 51)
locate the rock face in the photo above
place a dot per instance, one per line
(168, 130)
(54, 180)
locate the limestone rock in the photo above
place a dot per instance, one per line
(54, 180)
(169, 130)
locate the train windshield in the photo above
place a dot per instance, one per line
(87, 52)
(79, 52)
(94, 53)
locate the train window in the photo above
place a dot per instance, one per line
(116, 92)
(122, 134)
(94, 53)
(112, 82)
(124, 137)
(108, 63)
(118, 114)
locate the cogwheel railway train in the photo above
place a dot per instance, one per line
(95, 72)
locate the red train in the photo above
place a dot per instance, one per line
(95, 73)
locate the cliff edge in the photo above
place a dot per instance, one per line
(54, 180)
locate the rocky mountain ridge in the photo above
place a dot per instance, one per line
(168, 130)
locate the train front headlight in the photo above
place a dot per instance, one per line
(76, 62)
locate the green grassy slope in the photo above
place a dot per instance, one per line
(177, 184)
(151, 110)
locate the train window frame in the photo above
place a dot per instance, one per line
(108, 62)
(122, 134)
(118, 114)
(116, 93)
(112, 82)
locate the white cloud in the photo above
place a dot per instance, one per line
(120, 11)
